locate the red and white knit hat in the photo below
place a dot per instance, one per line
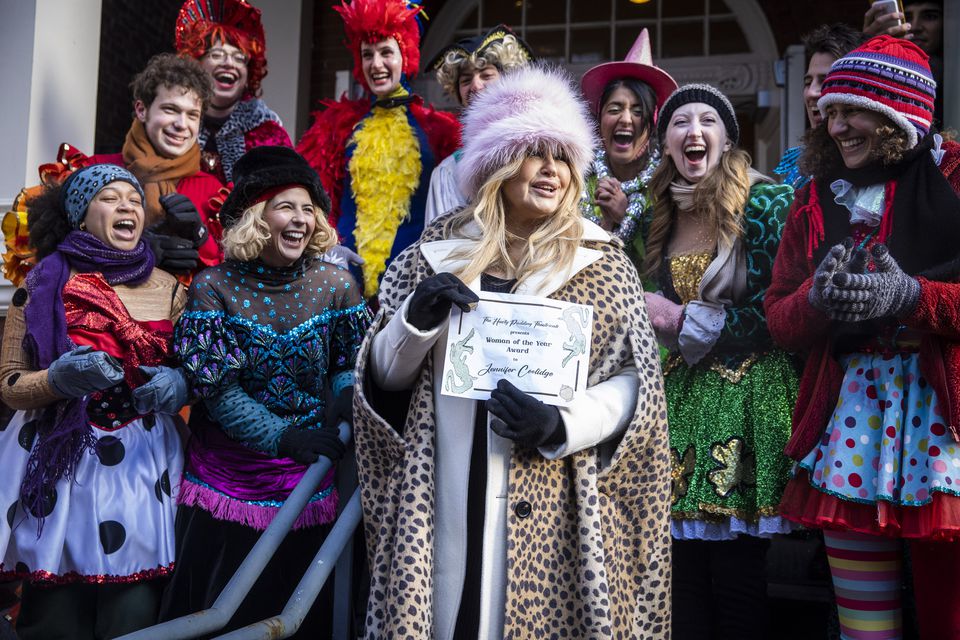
(888, 75)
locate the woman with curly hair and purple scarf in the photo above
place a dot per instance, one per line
(89, 456)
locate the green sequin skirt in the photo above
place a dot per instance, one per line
(728, 429)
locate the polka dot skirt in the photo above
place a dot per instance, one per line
(112, 522)
(887, 439)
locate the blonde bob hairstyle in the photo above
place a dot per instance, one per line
(245, 240)
(552, 245)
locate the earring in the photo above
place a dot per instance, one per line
(83, 226)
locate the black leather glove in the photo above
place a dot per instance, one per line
(174, 255)
(82, 371)
(182, 219)
(524, 419)
(306, 445)
(859, 295)
(835, 261)
(431, 301)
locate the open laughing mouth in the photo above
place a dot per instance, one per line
(695, 153)
(623, 137)
(292, 239)
(125, 229)
(226, 79)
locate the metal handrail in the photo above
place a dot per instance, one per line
(216, 617)
(297, 607)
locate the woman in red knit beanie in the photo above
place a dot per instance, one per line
(865, 285)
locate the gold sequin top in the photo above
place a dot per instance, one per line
(687, 271)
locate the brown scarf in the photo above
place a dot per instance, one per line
(157, 175)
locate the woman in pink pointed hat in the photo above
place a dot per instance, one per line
(625, 97)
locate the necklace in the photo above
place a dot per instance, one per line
(635, 190)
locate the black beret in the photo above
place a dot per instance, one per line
(264, 168)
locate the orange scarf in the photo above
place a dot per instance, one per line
(157, 175)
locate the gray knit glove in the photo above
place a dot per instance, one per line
(834, 262)
(859, 295)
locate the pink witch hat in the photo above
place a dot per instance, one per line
(638, 64)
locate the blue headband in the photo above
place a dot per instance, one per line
(84, 184)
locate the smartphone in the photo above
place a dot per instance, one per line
(889, 6)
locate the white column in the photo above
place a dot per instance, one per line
(51, 58)
(794, 119)
(288, 25)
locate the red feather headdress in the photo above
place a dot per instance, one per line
(200, 23)
(371, 21)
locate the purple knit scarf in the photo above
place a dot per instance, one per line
(65, 433)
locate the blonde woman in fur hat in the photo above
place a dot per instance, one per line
(464, 69)
(509, 517)
(710, 246)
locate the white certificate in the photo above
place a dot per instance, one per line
(540, 345)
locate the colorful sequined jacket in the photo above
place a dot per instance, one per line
(744, 329)
(281, 335)
(799, 327)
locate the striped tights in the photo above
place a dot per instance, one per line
(866, 578)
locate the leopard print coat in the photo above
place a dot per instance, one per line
(591, 559)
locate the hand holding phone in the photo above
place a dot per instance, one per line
(885, 17)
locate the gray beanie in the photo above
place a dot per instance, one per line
(706, 94)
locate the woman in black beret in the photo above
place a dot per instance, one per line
(264, 336)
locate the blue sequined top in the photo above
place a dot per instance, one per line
(279, 333)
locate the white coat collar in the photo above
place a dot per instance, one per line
(438, 255)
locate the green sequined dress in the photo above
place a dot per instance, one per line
(729, 414)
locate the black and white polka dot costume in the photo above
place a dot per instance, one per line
(113, 520)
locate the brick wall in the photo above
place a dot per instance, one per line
(131, 31)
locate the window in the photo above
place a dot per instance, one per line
(592, 31)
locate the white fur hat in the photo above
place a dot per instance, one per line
(531, 109)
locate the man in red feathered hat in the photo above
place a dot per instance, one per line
(227, 39)
(375, 155)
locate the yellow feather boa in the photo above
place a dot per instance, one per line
(384, 173)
